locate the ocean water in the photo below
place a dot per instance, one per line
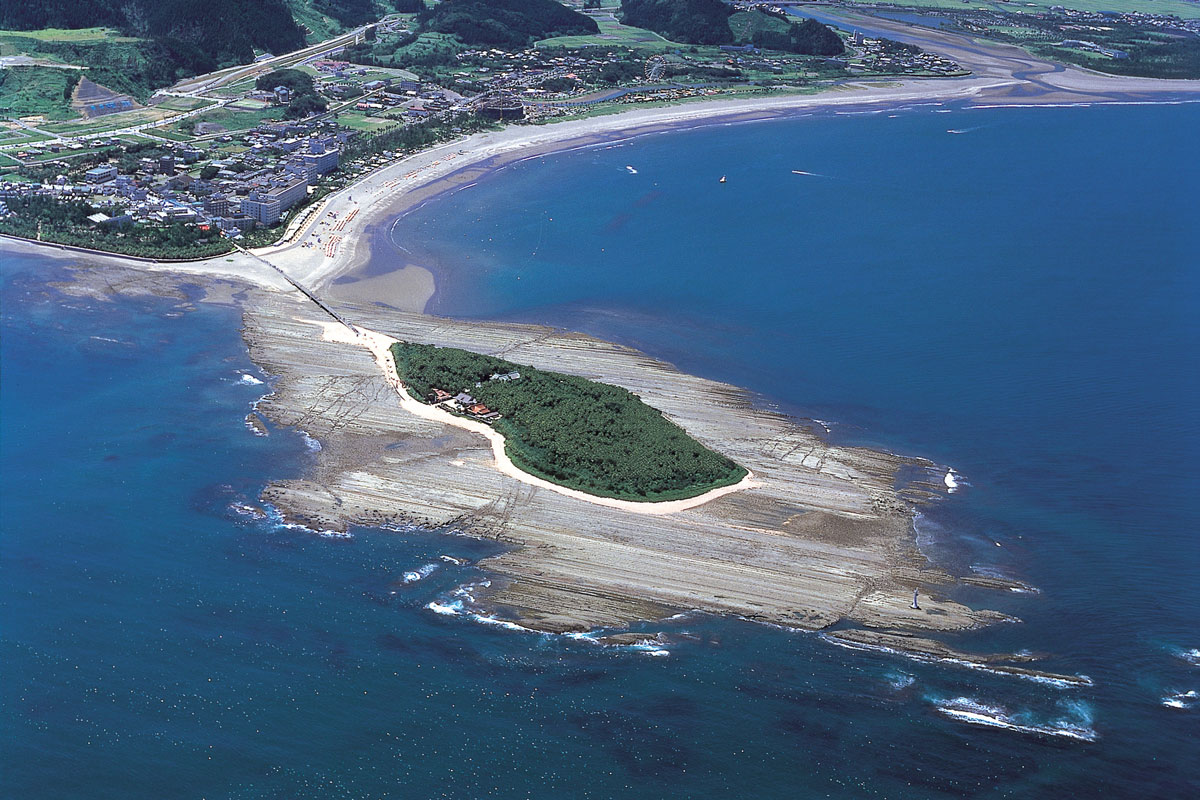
(1015, 301)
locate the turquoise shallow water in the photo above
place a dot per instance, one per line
(1016, 301)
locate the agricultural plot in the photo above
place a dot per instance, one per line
(613, 33)
(76, 35)
(361, 122)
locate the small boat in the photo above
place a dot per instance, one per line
(722, 179)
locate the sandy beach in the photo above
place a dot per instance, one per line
(379, 345)
(1001, 75)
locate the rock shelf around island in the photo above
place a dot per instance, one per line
(379, 346)
(821, 538)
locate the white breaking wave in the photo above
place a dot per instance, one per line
(256, 430)
(451, 609)
(650, 647)
(1191, 656)
(249, 380)
(462, 596)
(311, 443)
(456, 608)
(1060, 683)
(1181, 700)
(966, 709)
(247, 510)
(277, 519)
(421, 572)
(952, 480)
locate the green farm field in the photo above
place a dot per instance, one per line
(613, 33)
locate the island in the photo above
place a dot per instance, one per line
(261, 180)
(586, 435)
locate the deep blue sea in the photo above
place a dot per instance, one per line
(1016, 300)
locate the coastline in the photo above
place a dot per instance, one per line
(1002, 75)
(821, 535)
(824, 537)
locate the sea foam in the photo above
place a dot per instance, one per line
(975, 712)
(952, 480)
(1191, 656)
(1184, 701)
(424, 571)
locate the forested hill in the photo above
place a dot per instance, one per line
(194, 35)
(506, 23)
(691, 21)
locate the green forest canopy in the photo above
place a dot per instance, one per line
(809, 38)
(193, 35)
(512, 24)
(305, 99)
(582, 434)
(689, 21)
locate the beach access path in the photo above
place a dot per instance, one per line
(380, 346)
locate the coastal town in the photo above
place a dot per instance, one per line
(232, 159)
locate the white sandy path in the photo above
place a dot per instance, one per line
(380, 347)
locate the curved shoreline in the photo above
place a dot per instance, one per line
(380, 345)
(392, 191)
(1002, 76)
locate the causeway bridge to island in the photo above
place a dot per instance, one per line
(299, 287)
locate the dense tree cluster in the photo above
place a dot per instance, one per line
(1178, 57)
(691, 21)
(408, 6)
(304, 99)
(511, 24)
(579, 433)
(186, 36)
(350, 13)
(809, 38)
(413, 137)
(53, 220)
